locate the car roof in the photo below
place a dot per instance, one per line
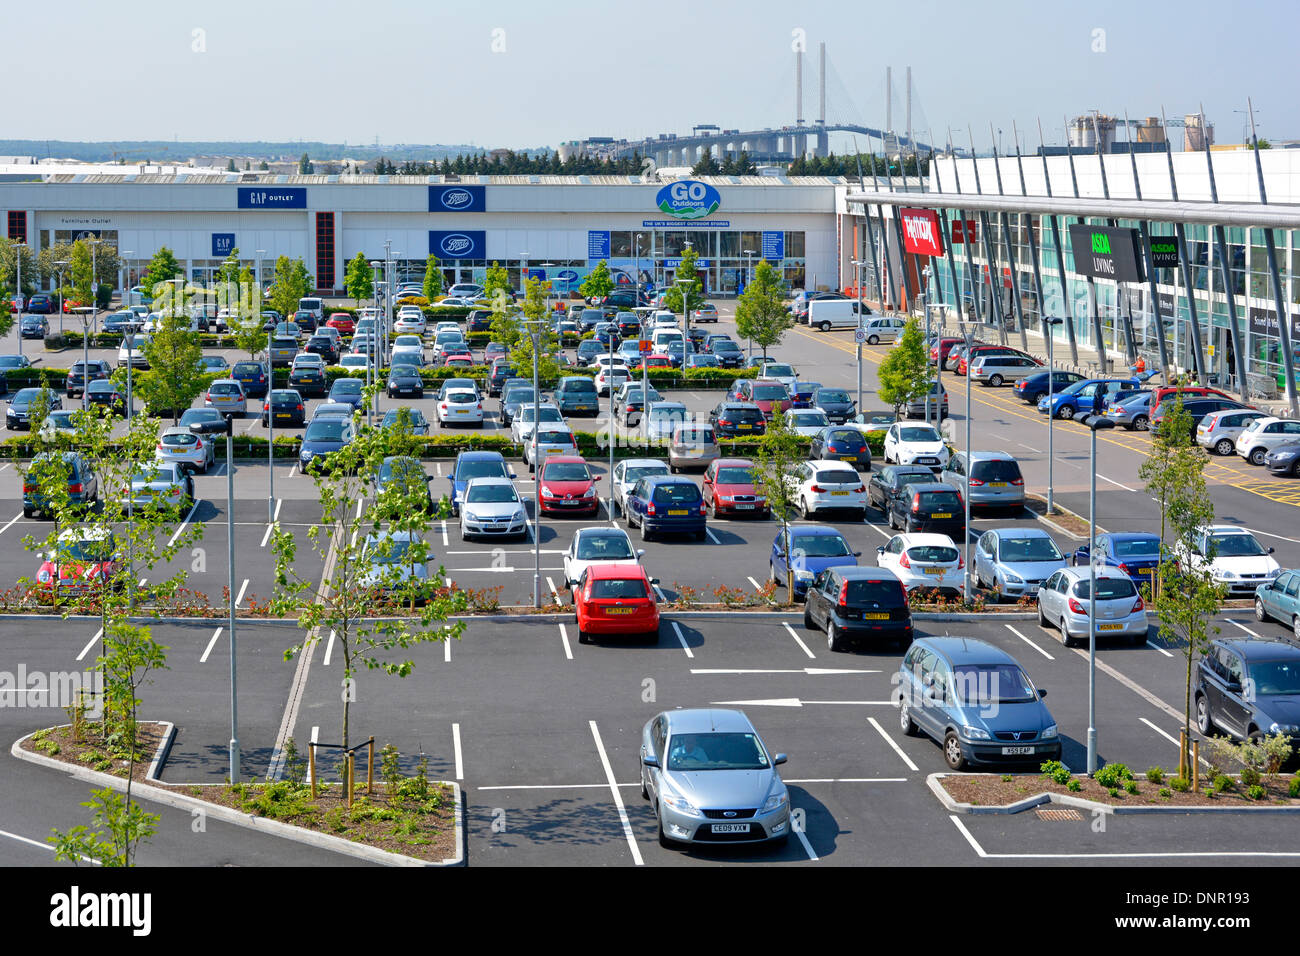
(491, 480)
(707, 720)
(967, 650)
(930, 486)
(861, 573)
(1027, 532)
(1129, 535)
(914, 539)
(988, 455)
(1103, 571)
(1256, 649)
(668, 479)
(809, 531)
(734, 463)
(480, 456)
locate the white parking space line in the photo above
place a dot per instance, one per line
(802, 780)
(142, 582)
(360, 502)
(211, 644)
(276, 515)
(251, 425)
(564, 636)
(890, 740)
(554, 593)
(86, 650)
(711, 536)
(11, 522)
(1157, 647)
(4, 466)
(455, 742)
(1030, 643)
(266, 536)
(798, 640)
(1168, 737)
(1114, 482)
(751, 580)
(437, 467)
(292, 470)
(618, 797)
(242, 588)
(1246, 629)
(883, 533)
(445, 542)
(446, 651)
(43, 846)
(681, 638)
(555, 786)
(1132, 685)
(807, 847)
(1030, 447)
(979, 850)
(659, 594)
(1278, 536)
(329, 650)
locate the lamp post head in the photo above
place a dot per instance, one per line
(223, 427)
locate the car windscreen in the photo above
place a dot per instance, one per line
(517, 396)
(676, 494)
(566, 471)
(604, 547)
(158, 471)
(491, 468)
(326, 429)
(742, 414)
(807, 420)
(179, 439)
(837, 395)
(281, 397)
(838, 478)
(940, 501)
(716, 752)
(225, 388)
(770, 393)
(554, 437)
(849, 436)
(919, 433)
(995, 469)
(884, 593)
(782, 370)
(466, 398)
(932, 553)
(1235, 546)
(632, 475)
(391, 417)
(1108, 589)
(1276, 677)
(615, 588)
(1137, 547)
(702, 435)
(820, 546)
(87, 550)
(660, 414)
(493, 493)
(734, 476)
(726, 346)
(347, 386)
(1030, 549)
(991, 684)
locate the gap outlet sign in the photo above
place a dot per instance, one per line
(456, 198)
(921, 232)
(688, 199)
(272, 197)
(458, 244)
(222, 243)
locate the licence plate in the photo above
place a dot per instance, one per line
(282, 415)
(875, 616)
(744, 507)
(744, 428)
(997, 484)
(1109, 627)
(844, 493)
(675, 513)
(934, 570)
(1017, 751)
(462, 411)
(946, 514)
(926, 461)
(847, 457)
(552, 451)
(730, 828)
(619, 610)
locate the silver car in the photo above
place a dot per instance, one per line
(992, 477)
(180, 445)
(226, 395)
(1132, 412)
(710, 780)
(397, 561)
(664, 419)
(1063, 604)
(693, 446)
(631, 470)
(997, 370)
(491, 509)
(162, 485)
(1220, 430)
(1014, 562)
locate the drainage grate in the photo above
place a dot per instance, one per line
(1059, 814)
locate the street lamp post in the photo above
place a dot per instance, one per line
(749, 277)
(1050, 321)
(970, 339)
(535, 330)
(227, 425)
(62, 264)
(18, 260)
(1094, 423)
(857, 335)
(686, 310)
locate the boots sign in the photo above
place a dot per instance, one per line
(921, 232)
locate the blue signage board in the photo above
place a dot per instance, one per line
(688, 199)
(457, 198)
(676, 224)
(222, 243)
(272, 197)
(674, 263)
(597, 245)
(458, 243)
(774, 245)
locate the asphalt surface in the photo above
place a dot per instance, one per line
(534, 711)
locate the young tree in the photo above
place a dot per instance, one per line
(687, 278)
(11, 253)
(174, 378)
(522, 355)
(292, 282)
(81, 273)
(432, 278)
(497, 279)
(373, 567)
(360, 280)
(760, 311)
(904, 375)
(779, 451)
(598, 283)
(162, 267)
(228, 271)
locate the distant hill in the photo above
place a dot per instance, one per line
(172, 151)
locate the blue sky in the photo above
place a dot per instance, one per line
(529, 74)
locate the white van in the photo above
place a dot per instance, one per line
(663, 320)
(665, 334)
(827, 314)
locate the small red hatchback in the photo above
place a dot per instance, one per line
(615, 599)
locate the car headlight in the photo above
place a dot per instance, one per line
(727, 497)
(803, 575)
(590, 492)
(1013, 578)
(1226, 575)
(1274, 572)
(775, 802)
(1049, 733)
(974, 733)
(680, 804)
(308, 454)
(547, 492)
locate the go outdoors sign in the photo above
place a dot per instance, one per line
(688, 199)
(1104, 253)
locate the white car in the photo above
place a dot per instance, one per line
(819, 486)
(907, 444)
(551, 440)
(631, 470)
(780, 372)
(604, 360)
(446, 327)
(663, 320)
(1063, 603)
(597, 545)
(409, 323)
(615, 376)
(353, 360)
(133, 356)
(808, 422)
(1233, 558)
(521, 423)
(1263, 435)
(492, 509)
(924, 561)
(409, 343)
(459, 407)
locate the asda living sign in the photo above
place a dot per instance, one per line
(1106, 253)
(1164, 252)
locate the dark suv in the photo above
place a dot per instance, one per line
(737, 419)
(850, 603)
(83, 372)
(1247, 688)
(928, 506)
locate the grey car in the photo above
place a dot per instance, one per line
(1279, 599)
(181, 446)
(162, 485)
(992, 477)
(1014, 562)
(711, 780)
(1063, 603)
(226, 395)
(1220, 430)
(397, 562)
(491, 508)
(1247, 688)
(996, 370)
(1132, 413)
(18, 413)
(631, 470)
(938, 396)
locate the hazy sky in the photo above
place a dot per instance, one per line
(520, 74)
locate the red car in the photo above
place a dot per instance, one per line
(345, 323)
(615, 599)
(83, 562)
(767, 394)
(655, 361)
(567, 486)
(458, 360)
(939, 352)
(729, 490)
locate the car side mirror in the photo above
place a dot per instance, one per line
(650, 760)
(1085, 548)
(1042, 692)
(880, 550)
(512, 474)
(1271, 550)
(654, 580)
(1233, 687)
(779, 759)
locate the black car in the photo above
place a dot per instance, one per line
(838, 443)
(405, 380)
(588, 319)
(82, 372)
(501, 371)
(122, 322)
(928, 506)
(737, 419)
(889, 481)
(251, 375)
(1247, 688)
(37, 327)
(479, 320)
(305, 320)
(104, 392)
(287, 406)
(677, 352)
(852, 603)
(323, 345)
(626, 299)
(629, 326)
(511, 398)
(730, 355)
(836, 403)
(1033, 387)
(308, 378)
(603, 332)
(588, 349)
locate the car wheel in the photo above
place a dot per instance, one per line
(1257, 456)
(1042, 618)
(1203, 722)
(1260, 613)
(645, 791)
(645, 535)
(804, 510)
(995, 380)
(873, 340)
(834, 642)
(28, 512)
(905, 722)
(1066, 639)
(825, 326)
(952, 754)
(893, 522)
(1065, 411)
(1295, 470)
(583, 637)
(1295, 627)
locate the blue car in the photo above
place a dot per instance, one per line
(1090, 395)
(1033, 387)
(475, 464)
(665, 504)
(801, 396)
(976, 702)
(322, 438)
(813, 548)
(1280, 600)
(347, 390)
(1137, 554)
